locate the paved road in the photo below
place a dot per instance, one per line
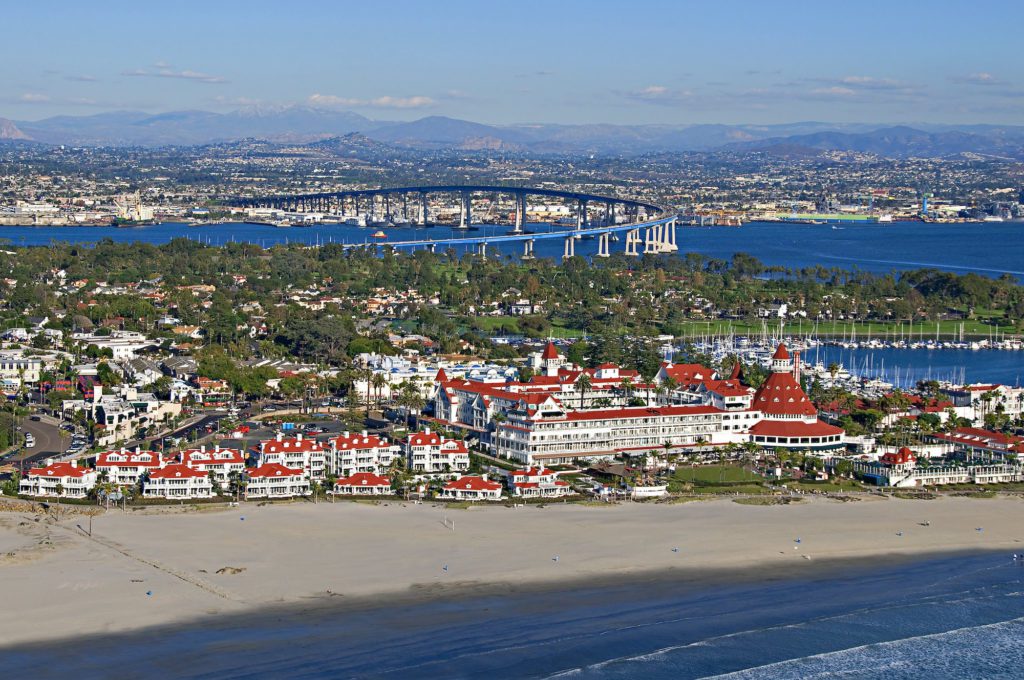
(47, 435)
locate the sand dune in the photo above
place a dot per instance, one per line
(150, 568)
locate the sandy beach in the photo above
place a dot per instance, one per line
(156, 567)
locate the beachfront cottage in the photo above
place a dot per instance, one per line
(221, 462)
(429, 452)
(127, 467)
(472, 488)
(536, 482)
(362, 484)
(360, 452)
(64, 480)
(297, 453)
(178, 482)
(272, 480)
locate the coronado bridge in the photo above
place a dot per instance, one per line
(648, 228)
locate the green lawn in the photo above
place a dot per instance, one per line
(947, 329)
(714, 474)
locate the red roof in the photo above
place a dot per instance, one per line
(794, 428)
(532, 472)
(782, 395)
(213, 456)
(550, 351)
(58, 470)
(686, 374)
(472, 483)
(120, 458)
(359, 441)
(441, 376)
(274, 470)
(285, 445)
(176, 470)
(364, 479)
(781, 352)
(902, 456)
(434, 439)
(727, 388)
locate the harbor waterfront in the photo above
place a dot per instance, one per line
(868, 247)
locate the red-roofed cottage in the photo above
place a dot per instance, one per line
(472, 488)
(272, 480)
(430, 453)
(64, 480)
(537, 483)
(178, 481)
(362, 484)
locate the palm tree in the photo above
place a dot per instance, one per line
(626, 385)
(670, 384)
(378, 381)
(583, 383)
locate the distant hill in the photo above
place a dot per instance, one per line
(10, 132)
(905, 142)
(305, 124)
(124, 128)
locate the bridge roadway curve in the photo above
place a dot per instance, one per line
(454, 188)
(518, 238)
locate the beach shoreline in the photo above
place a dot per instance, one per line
(155, 570)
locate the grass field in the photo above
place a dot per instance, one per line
(948, 330)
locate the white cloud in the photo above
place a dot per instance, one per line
(979, 78)
(834, 91)
(169, 73)
(34, 98)
(385, 102)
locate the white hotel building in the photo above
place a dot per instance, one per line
(548, 429)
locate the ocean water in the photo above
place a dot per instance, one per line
(905, 367)
(992, 249)
(946, 617)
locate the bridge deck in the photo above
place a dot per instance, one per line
(517, 238)
(476, 188)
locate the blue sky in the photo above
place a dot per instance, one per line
(555, 61)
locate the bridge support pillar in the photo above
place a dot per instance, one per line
(466, 217)
(581, 214)
(433, 247)
(604, 245)
(520, 214)
(481, 250)
(632, 240)
(650, 245)
(570, 247)
(528, 249)
(423, 210)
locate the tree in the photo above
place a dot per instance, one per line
(379, 382)
(583, 384)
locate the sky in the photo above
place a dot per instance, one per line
(557, 61)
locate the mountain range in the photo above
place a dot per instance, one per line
(303, 124)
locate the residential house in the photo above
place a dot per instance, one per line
(472, 488)
(272, 480)
(362, 484)
(64, 480)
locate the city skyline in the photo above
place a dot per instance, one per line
(658, 63)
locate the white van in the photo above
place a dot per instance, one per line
(30, 441)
